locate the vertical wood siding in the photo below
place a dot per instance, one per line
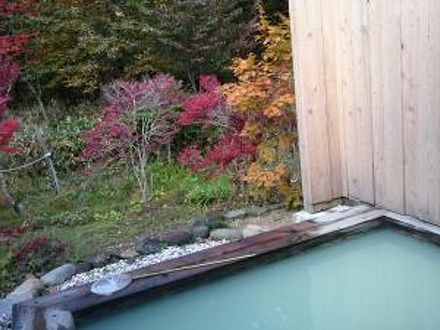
(367, 78)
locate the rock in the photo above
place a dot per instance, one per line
(105, 259)
(84, 266)
(200, 231)
(256, 210)
(58, 320)
(252, 230)
(59, 275)
(128, 253)
(235, 214)
(213, 221)
(146, 245)
(229, 234)
(30, 287)
(178, 237)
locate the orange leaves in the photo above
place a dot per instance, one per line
(264, 94)
(280, 103)
(251, 130)
(266, 178)
(243, 68)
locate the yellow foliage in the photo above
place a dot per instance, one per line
(264, 92)
(251, 130)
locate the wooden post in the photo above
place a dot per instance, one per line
(49, 162)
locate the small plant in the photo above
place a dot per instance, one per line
(72, 218)
(36, 256)
(110, 216)
(203, 193)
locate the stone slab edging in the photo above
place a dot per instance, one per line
(291, 239)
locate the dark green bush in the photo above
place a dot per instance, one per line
(63, 139)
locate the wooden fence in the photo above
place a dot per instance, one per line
(367, 77)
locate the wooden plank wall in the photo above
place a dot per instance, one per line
(367, 75)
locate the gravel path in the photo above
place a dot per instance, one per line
(125, 266)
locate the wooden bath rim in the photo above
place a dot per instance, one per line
(43, 312)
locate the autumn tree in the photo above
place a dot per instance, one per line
(12, 40)
(225, 147)
(12, 47)
(264, 95)
(139, 118)
(9, 72)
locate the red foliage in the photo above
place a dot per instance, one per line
(11, 232)
(230, 147)
(191, 157)
(7, 129)
(13, 44)
(39, 252)
(200, 107)
(8, 7)
(204, 106)
(126, 103)
(209, 83)
(8, 126)
(208, 108)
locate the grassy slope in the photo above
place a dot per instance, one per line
(99, 210)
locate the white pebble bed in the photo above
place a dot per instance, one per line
(124, 266)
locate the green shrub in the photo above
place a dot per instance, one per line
(174, 183)
(63, 139)
(201, 192)
(72, 217)
(111, 216)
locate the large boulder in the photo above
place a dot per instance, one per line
(146, 245)
(229, 234)
(178, 237)
(31, 287)
(59, 275)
